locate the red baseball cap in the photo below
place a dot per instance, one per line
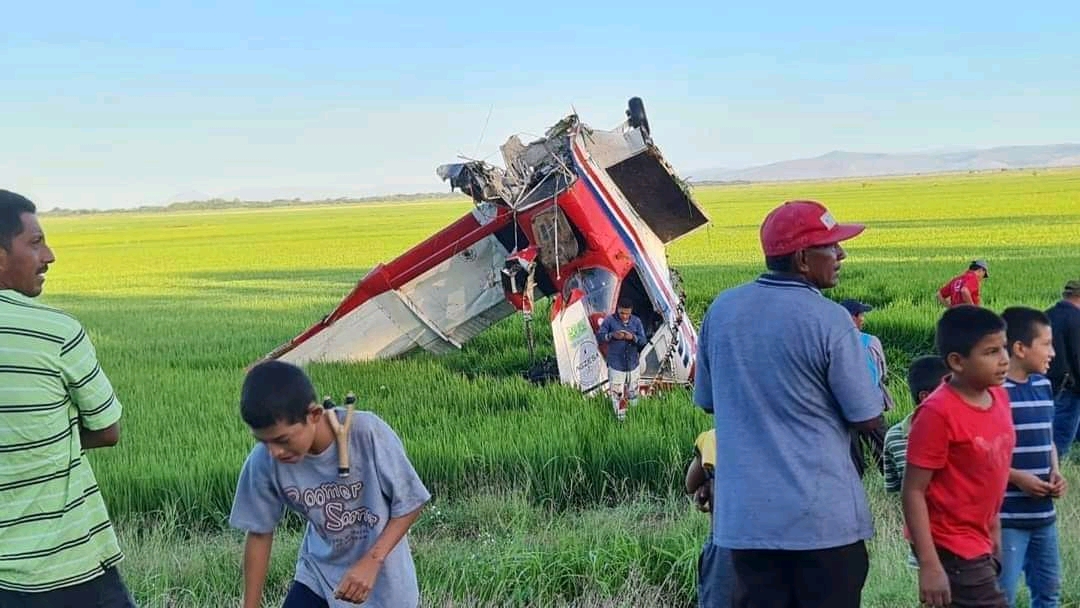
(800, 224)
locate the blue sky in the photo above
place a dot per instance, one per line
(117, 104)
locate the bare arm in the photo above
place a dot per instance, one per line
(995, 534)
(869, 425)
(360, 579)
(1058, 484)
(1030, 484)
(965, 296)
(106, 437)
(256, 563)
(395, 529)
(933, 582)
(695, 475)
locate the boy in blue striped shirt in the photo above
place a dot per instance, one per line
(1029, 535)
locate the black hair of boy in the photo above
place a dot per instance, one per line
(925, 374)
(273, 392)
(961, 327)
(1023, 325)
(624, 302)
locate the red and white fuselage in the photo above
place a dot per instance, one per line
(583, 216)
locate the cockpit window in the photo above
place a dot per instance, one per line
(600, 286)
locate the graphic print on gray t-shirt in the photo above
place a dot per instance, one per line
(345, 515)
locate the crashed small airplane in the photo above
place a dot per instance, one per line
(583, 215)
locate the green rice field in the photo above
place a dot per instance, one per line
(541, 498)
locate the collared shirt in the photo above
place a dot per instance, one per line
(622, 355)
(784, 374)
(54, 528)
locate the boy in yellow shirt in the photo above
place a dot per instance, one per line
(716, 577)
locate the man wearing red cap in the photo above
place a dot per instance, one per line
(783, 372)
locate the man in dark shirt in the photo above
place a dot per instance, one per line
(625, 337)
(1064, 370)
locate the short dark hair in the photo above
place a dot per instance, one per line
(273, 392)
(1023, 324)
(12, 207)
(961, 327)
(624, 302)
(780, 263)
(925, 374)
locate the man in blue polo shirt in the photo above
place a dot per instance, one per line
(782, 369)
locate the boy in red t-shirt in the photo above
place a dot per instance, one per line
(958, 459)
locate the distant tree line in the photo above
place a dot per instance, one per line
(236, 203)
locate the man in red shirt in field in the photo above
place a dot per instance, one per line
(959, 454)
(964, 288)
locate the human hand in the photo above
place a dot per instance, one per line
(358, 580)
(703, 497)
(1058, 485)
(934, 589)
(1032, 485)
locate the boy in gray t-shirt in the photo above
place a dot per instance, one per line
(355, 551)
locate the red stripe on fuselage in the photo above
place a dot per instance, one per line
(438, 248)
(609, 201)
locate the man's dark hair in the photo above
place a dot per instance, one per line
(780, 263)
(925, 374)
(961, 327)
(12, 207)
(1023, 324)
(275, 391)
(625, 302)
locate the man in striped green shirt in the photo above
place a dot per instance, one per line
(57, 544)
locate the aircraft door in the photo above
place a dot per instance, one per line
(576, 348)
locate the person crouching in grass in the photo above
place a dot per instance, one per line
(959, 451)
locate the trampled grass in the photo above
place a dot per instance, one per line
(179, 303)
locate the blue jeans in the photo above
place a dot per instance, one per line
(1066, 421)
(716, 576)
(1034, 552)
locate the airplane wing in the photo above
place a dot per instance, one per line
(436, 296)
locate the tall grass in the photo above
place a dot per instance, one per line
(179, 304)
(499, 549)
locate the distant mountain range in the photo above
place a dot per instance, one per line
(839, 164)
(836, 164)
